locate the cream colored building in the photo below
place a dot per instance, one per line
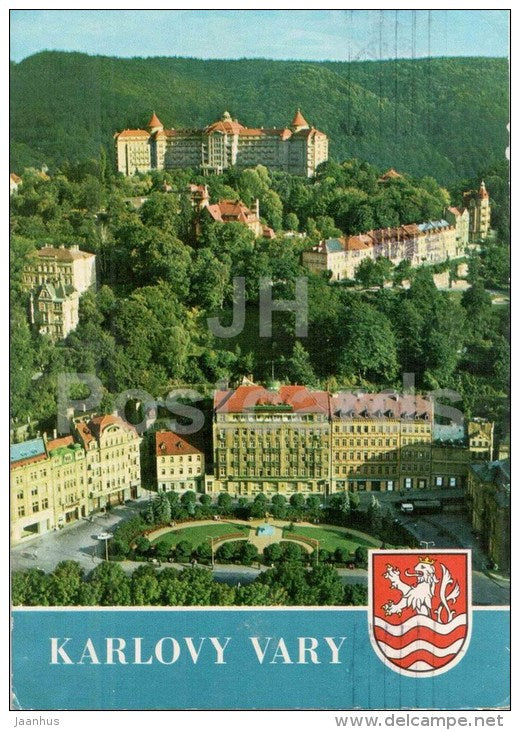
(380, 442)
(66, 266)
(69, 477)
(424, 243)
(32, 490)
(112, 460)
(460, 219)
(59, 481)
(298, 148)
(271, 441)
(179, 463)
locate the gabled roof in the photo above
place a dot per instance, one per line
(168, 443)
(60, 443)
(390, 174)
(54, 292)
(231, 210)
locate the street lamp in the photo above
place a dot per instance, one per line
(105, 536)
(427, 544)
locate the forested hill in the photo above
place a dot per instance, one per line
(441, 117)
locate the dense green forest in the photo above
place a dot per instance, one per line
(444, 117)
(147, 325)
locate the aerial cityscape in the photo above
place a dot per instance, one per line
(246, 352)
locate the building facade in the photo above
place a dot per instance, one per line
(489, 502)
(55, 310)
(56, 278)
(297, 149)
(113, 460)
(59, 481)
(271, 441)
(380, 442)
(425, 243)
(298, 440)
(66, 266)
(179, 463)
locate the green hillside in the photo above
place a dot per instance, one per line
(444, 117)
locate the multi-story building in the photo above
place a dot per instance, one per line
(489, 501)
(380, 442)
(460, 219)
(179, 463)
(32, 490)
(69, 480)
(66, 266)
(480, 439)
(271, 441)
(424, 243)
(58, 481)
(57, 277)
(477, 203)
(111, 446)
(297, 440)
(55, 310)
(298, 148)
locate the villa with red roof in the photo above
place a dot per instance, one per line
(297, 148)
(179, 462)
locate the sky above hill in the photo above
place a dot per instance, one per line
(337, 35)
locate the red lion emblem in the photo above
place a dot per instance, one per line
(420, 612)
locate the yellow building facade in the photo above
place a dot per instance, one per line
(59, 481)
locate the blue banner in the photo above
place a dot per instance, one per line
(170, 659)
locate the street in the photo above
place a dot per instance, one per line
(80, 542)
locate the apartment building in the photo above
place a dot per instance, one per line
(55, 482)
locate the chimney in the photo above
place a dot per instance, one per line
(257, 208)
(54, 433)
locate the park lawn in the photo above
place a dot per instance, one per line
(197, 535)
(330, 538)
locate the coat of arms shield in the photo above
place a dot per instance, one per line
(420, 609)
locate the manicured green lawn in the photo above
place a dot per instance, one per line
(331, 538)
(198, 535)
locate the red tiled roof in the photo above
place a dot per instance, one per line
(231, 210)
(95, 427)
(299, 120)
(246, 397)
(168, 443)
(154, 121)
(455, 211)
(14, 177)
(29, 460)
(59, 443)
(357, 243)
